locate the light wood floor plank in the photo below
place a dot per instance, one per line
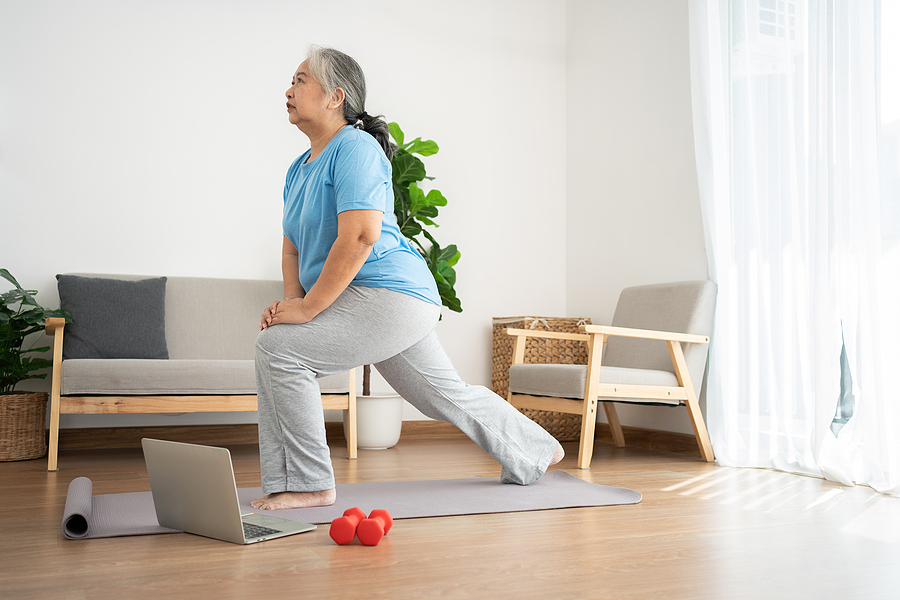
(701, 531)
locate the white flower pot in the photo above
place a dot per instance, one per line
(379, 419)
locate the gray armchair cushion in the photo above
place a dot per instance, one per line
(567, 381)
(113, 318)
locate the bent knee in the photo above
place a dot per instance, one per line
(270, 341)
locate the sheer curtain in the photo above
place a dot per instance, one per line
(796, 142)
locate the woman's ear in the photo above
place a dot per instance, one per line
(337, 98)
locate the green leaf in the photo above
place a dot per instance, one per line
(426, 213)
(58, 314)
(422, 147)
(436, 198)
(407, 168)
(411, 229)
(396, 133)
(8, 276)
(416, 198)
(33, 316)
(450, 254)
(448, 298)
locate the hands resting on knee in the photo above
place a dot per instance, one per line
(289, 310)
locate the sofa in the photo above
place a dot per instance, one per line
(140, 344)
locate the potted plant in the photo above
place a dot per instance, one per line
(22, 414)
(380, 417)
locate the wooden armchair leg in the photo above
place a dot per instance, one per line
(589, 408)
(700, 432)
(586, 442)
(614, 426)
(693, 405)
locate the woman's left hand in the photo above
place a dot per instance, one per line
(293, 311)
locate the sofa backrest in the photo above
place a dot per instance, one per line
(209, 318)
(216, 318)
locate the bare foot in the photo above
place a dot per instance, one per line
(280, 500)
(558, 455)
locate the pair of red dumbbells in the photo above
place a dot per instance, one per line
(355, 524)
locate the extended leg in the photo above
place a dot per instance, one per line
(424, 376)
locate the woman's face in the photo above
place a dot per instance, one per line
(305, 98)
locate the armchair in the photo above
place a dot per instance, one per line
(646, 360)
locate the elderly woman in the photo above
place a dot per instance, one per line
(356, 292)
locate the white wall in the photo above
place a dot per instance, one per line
(633, 211)
(152, 138)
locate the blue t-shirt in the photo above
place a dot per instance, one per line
(351, 173)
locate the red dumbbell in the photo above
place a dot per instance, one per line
(371, 530)
(343, 529)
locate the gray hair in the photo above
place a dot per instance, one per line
(333, 69)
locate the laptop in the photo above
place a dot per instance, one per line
(194, 490)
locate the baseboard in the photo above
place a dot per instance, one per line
(130, 437)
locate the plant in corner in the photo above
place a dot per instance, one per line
(415, 210)
(20, 316)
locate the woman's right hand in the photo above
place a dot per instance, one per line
(268, 314)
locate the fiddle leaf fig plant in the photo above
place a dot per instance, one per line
(416, 209)
(21, 315)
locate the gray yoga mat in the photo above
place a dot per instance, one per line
(87, 516)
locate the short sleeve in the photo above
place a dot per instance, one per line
(362, 176)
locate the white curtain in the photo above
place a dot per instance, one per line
(796, 135)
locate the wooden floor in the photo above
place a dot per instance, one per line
(701, 531)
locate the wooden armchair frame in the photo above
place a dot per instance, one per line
(137, 404)
(595, 336)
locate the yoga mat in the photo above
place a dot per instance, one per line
(111, 515)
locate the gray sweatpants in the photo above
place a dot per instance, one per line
(395, 332)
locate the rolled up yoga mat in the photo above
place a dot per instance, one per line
(109, 515)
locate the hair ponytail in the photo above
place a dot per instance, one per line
(333, 69)
(377, 127)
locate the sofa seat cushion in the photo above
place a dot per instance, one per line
(567, 381)
(131, 377)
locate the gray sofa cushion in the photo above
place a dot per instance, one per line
(171, 377)
(567, 381)
(114, 318)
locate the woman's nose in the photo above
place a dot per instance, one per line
(287, 93)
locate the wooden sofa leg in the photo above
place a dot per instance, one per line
(351, 418)
(55, 387)
(53, 449)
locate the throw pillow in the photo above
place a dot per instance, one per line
(114, 318)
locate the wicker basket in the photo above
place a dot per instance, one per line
(564, 427)
(22, 426)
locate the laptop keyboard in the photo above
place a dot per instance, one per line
(254, 531)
